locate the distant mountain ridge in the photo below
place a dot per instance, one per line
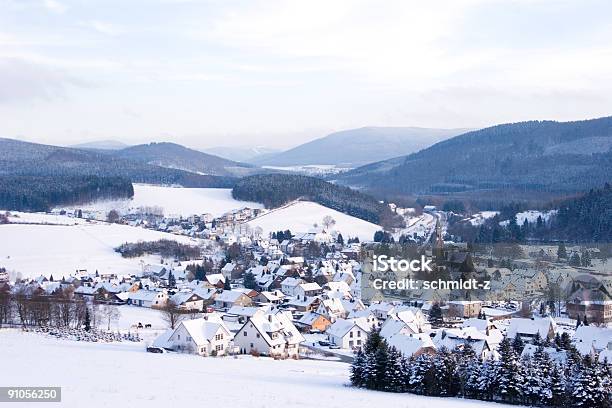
(101, 145)
(175, 156)
(356, 147)
(530, 156)
(242, 154)
(33, 159)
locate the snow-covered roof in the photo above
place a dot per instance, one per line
(530, 327)
(215, 278)
(202, 330)
(309, 286)
(291, 282)
(598, 337)
(408, 345)
(229, 296)
(342, 326)
(145, 295)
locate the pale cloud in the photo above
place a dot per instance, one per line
(55, 6)
(242, 71)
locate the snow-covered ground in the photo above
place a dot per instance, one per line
(174, 201)
(531, 216)
(123, 374)
(480, 217)
(312, 169)
(60, 250)
(421, 225)
(302, 215)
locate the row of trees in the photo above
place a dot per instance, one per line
(164, 247)
(34, 308)
(533, 380)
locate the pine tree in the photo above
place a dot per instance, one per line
(393, 376)
(381, 362)
(508, 373)
(561, 251)
(518, 345)
(227, 285)
(171, 280)
(557, 387)
(87, 320)
(357, 369)
(418, 373)
(586, 386)
(373, 341)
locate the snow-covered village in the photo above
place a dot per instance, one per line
(260, 296)
(281, 203)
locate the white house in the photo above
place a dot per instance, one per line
(348, 334)
(148, 298)
(527, 328)
(289, 285)
(229, 298)
(188, 301)
(207, 336)
(308, 289)
(271, 334)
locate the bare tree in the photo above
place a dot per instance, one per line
(171, 314)
(328, 221)
(110, 314)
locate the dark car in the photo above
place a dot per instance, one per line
(157, 350)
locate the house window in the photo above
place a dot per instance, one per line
(251, 345)
(245, 333)
(351, 344)
(188, 338)
(351, 335)
(258, 336)
(358, 334)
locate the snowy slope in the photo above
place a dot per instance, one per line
(175, 201)
(124, 375)
(60, 250)
(302, 215)
(531, 216)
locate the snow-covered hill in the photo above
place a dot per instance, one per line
(300, 217)
(34, 250)
(175, 200)
(123, 374)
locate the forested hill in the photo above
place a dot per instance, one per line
(42, 193)
(528, 156)
(32, 159)
(587, 218)
(274, 190)
(175, 156)
(38, 177)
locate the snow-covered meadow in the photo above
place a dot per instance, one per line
(34, 250)
(173, 201)
(123, 374)
(301, 216)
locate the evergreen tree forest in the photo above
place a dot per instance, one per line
(41, 193)
(535, 380)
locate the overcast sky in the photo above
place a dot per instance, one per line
(278, 73)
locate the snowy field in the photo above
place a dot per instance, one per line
(174, 201)
(300, 217)
(124, 375)
(60, 250)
